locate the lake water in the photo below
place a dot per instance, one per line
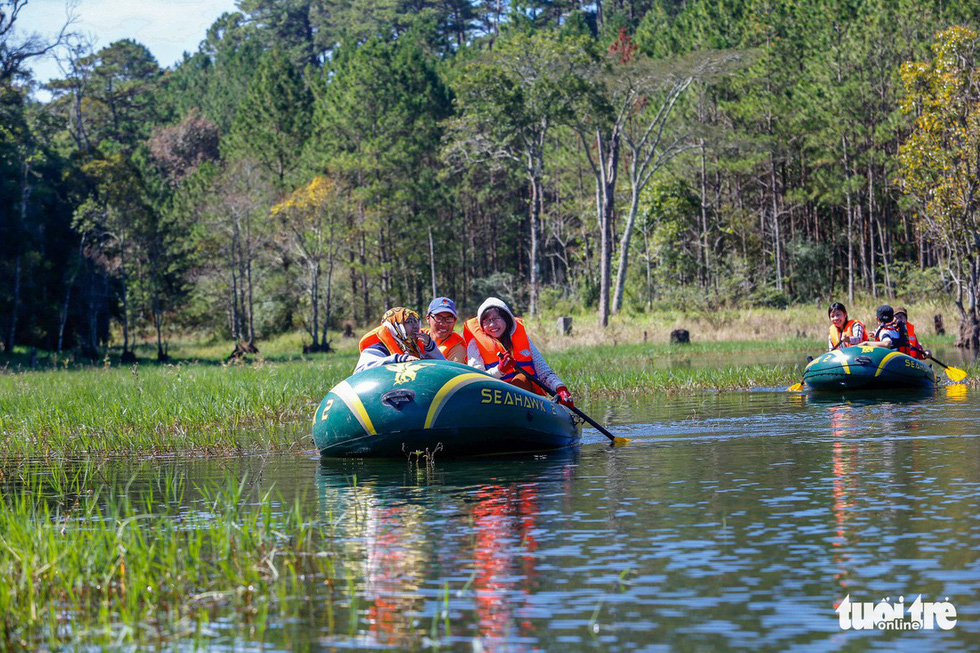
(732, 521)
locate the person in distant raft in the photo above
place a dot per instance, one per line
(397, 340)
(890, 333)
(843, 332)
(915, 349)
(441, 317)
(497, 342)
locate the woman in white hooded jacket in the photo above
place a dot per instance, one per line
(497, 343)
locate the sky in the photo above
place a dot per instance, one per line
(167, 28)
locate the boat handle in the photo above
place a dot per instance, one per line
(398, 398)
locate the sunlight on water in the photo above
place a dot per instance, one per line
(732, 521)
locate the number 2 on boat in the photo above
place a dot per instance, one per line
(326, 409)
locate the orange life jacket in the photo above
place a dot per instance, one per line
(914, 346)
(383, 335)
(848, 330)
(490, 347)
(446, 346)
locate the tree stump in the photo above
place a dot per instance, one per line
(128, 357)
(564, 326)
(348, 330)
(242, 349)
(680, 337)
(938, 321)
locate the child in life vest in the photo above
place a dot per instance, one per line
(890, 333)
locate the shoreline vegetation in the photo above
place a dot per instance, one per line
(93, 560)
(201, 405)
(93, 565)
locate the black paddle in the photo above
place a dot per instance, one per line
(599, 427)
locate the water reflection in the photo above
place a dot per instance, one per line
(472, 525)
(734, 521)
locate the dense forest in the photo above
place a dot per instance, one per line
(315, 161)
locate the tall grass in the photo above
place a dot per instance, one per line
(207, 408)
(83, 569)
(725, 324)
(162, 410)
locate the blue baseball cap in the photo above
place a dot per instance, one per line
(441, 305)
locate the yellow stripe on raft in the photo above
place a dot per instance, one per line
(353, 402)
(448, 390)
(839, 355)
(884, 361)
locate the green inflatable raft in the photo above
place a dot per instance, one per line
(396, 410)
(867, 368)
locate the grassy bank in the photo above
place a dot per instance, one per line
(264, 405)
(722, 325)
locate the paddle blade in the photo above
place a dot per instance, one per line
(618, 441)
(955, 374)
(796, 387)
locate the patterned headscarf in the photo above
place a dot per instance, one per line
(394, 319)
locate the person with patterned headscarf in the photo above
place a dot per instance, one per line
(398, 339)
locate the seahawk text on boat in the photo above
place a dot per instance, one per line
(507, 398)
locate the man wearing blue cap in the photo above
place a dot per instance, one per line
(441, 317)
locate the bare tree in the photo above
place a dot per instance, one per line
(628, 119)
(509, 102)
(16, 50)
(235, 243)
(311, 219)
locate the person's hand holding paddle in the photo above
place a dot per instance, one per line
(564, 397)
(506, 365)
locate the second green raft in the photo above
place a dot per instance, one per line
(867, 368)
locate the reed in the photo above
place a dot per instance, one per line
(85, 567)
(163, 410)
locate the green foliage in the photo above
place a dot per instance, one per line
(118, 98)
(271, 125)
(215, 79)
(448, 124)
(940, 159)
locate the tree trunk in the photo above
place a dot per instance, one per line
(328, 306)
(705, 245)
(158, 324)
(15, 309)
(250, 298)
(20, 235)
(125, 297)
(432, 262)
(365, 290)
(776, 232)
(315, 303)
(535, 175)
(609, 169)
(969, 333)
(605, 259)
(63, 313)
